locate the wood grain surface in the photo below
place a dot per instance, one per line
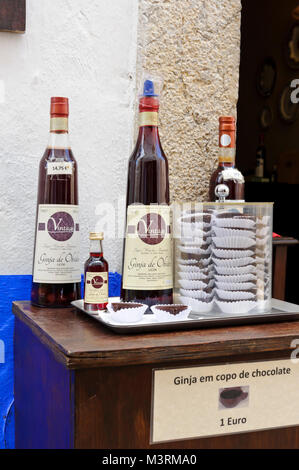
(80, 342)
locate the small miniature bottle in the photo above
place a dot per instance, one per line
(96, 276)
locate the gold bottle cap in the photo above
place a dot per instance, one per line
(96, 236)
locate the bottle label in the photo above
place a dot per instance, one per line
(96, 288)
(227, 155)
(59, 124)
(148, 248)
(227, 139)
(259, 171)
(59, 168)
(148, 119)
(57, 245)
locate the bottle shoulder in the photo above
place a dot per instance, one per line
(148, 146)
(143, 154)
(95, 262)
(58, 155)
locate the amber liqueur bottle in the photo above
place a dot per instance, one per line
(96, 276)
(56, 263)
(147, 260)
(227, 174)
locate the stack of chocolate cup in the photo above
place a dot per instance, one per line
(195, 268)
(236, 246)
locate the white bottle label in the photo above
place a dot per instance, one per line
(57, 246)
(148, 248)
(259, 171)
(96, 288)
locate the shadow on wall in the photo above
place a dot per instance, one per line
(18, 288)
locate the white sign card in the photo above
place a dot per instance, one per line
(194, 402)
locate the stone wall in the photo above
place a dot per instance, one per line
(195, 46)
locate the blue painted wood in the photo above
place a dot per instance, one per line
(18, 288)
(44, 395)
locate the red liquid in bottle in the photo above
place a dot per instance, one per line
(226, 173)
(56, 266)
(96, 277)
(147, 263)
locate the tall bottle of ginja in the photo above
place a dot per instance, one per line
(56, 265)
(147, 260)
(227, 174)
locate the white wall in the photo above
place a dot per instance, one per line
(85, 50)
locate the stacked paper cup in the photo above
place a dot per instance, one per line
(240, 254)
(195, 267)
(263, 261)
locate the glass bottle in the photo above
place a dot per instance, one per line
(260, 158)
(96, 276)
(226, 173)
(147, 260)
(56, 261)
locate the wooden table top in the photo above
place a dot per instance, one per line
(285, 241)
(78, 341)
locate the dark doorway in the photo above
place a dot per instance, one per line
(268, 119)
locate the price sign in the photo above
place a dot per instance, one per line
(210, 401)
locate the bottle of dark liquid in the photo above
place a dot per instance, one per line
(56, 265)
(96, 276)
(260, 158)
(274, 174)
(227, 174)
(147, 261)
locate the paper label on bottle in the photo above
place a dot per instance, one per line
(148, 248)
(148, 119)
(96, 288)
(259, 171)
(224, 399)
(225, 140)
(59, 168)
(227, 155)
(59, 124)
(57, 245)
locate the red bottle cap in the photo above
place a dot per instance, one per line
(227, 132)
(227, 123)
(59, 107)
(149, 104)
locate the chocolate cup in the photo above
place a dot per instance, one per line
(231, 397)
(172, 309)
(121, 305)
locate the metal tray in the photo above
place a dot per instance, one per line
(281, 311)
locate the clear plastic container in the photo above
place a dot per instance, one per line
(223, 256)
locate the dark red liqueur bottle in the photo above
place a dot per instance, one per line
(227, 174)
(147, 260)
(96, 276)
(56, 263)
